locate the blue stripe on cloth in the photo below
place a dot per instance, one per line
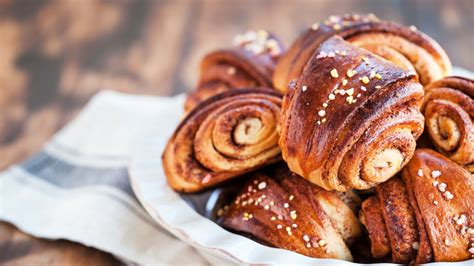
(67, 175)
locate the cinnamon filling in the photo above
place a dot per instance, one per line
(387, 163)
(445, 132)
(247, 131)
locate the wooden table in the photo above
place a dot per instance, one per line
(54, 55)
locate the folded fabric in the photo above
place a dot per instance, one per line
(77, 187)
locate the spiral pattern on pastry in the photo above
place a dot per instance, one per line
(449, 110)
(283, 210)
(249, 64)
(406, 47)
(425, 216)
(225, 136)
(351, 120)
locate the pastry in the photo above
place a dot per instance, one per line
(282, 210)
(249, 64)
(225, 136)
(351, 119)
(407, 47)
(427, 215)
(341, 110)
(449, 109)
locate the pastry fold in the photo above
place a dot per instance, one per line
(351, 119)
(449, 110)
(407, 47)
(283, 210)
(225, 136)
(249, 64)
(426, 216)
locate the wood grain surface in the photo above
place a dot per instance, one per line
(56, 54)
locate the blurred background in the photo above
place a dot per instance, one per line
(56, 54)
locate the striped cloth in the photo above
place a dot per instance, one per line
(77, 187)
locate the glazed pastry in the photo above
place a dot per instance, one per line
(283, 210)
(407, 47)
(249, 64)
(426, 216)
(225, 136)
(351, 120)
(449, 109)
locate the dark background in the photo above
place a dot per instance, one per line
(54, 55)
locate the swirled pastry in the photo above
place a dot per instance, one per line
(225, 136)
(249, 64)
(351, 119)
(426, 216)
(283, 210)
(407, 47)
(449, 110)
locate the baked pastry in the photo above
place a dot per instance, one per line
(351, 120)
(407, 47)
(426, 216)
(449, 110)
(283, 210)
(249, 64)
(225, 136)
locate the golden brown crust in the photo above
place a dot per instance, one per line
(404, 46)
(249, 64)
(399, 219)
(424, 252)
(442, 201)
(223, 137)
(372, 218)
(449, 111)
(285, 211)
(343, 130)
(429, 214)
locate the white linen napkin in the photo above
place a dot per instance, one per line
(77, 187)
